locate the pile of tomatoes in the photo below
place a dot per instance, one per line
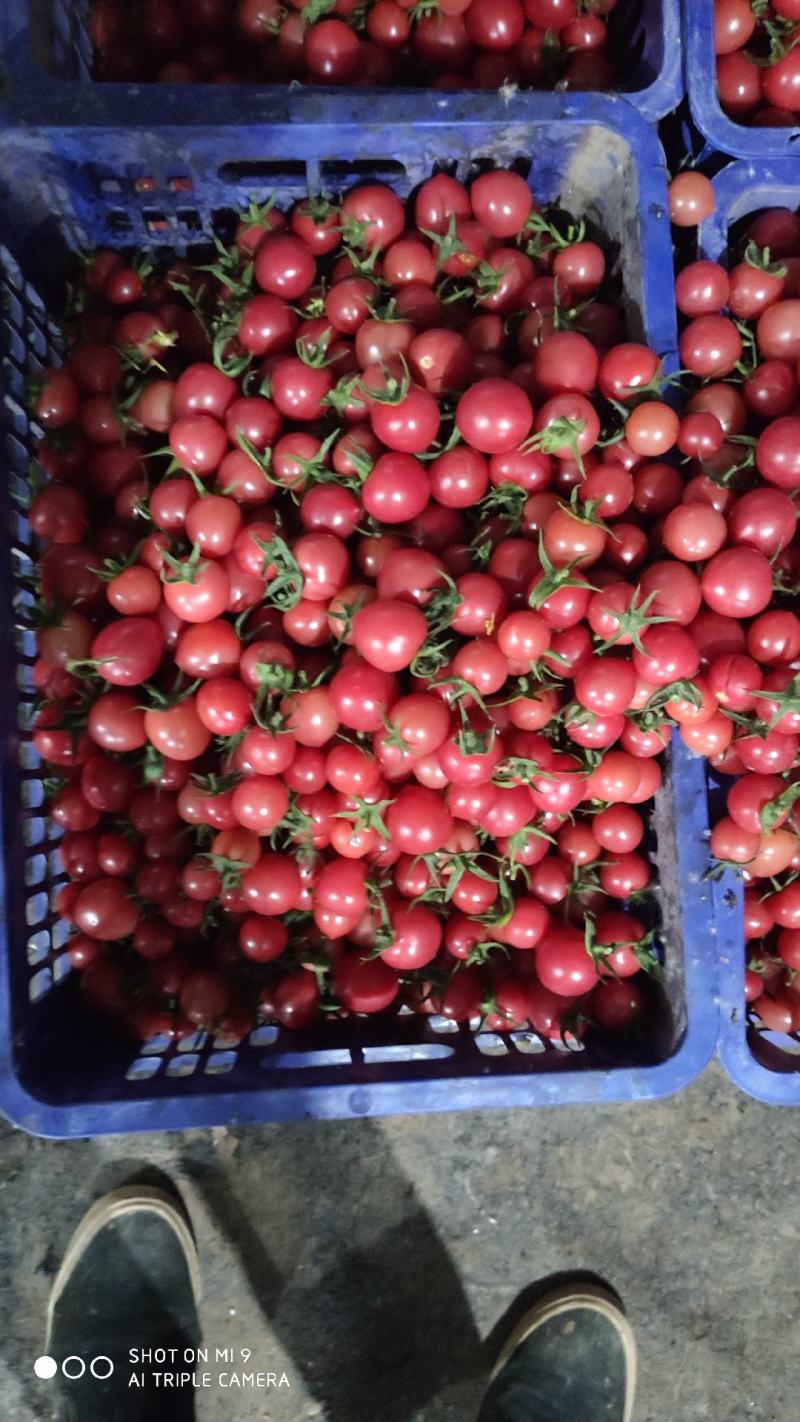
(758, 60)
(741, 338)
(357, 641)
(448, 44)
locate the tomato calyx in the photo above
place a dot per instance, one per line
(484, 952)
(456, 864)
(632, 623)
(554, 578)
(285, 586)
(419, 11)
(261, 458)
(761, 966)
(313, 306)
(759, 257)
(112, 567)
(729, 478)
(649, 717)
(653, 390)
(151, 765)
(545, 234)
(756, 728)
(228, 269)
(354, 231)
(786, 701)
(123, 400)
(362, 464)
(316, 471)
(317, 207)
(341, 620)
(447, 244)
(519, 770)
(137, 357)
(487, 280)
(461, 693)
(782, 34)
(394, 391)
(518, 842)
(539, 677)
(53, 784)
(563, 433)
(601, 953)
(229, 870)
(274, 679)
(344, 393)
(269, 720)
(183, 570)
(471, 741)
(433, 655)
(256, 214)
(363, 259)
(776, 884)
(438, 448)
(748, 362)
(157, 700)
(453, 289)
(782, 583)
(367, 815)
(314, 354)
(566, 318)
(587, 757)
(507, 502)
(775, 811)
(214, 784)
(435, 652)
(721, 867)
(442, 605)
(271, 25)
(316, 10)
(295, 828)
(585, 512)
(574, 714)
(87, 667)
(224, 349)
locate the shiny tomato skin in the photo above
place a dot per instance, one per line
(177, 731)
(364, 985)
(388, 633)
(737, 582)
(563, 965)
(494, 416)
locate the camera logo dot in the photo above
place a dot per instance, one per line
(74, 1367)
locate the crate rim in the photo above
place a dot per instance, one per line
(735, 140)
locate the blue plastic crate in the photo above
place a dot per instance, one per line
(764, 1064)
(61, 1074)
(723, 133)
(47, 58)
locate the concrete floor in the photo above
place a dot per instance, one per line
(372, 1260)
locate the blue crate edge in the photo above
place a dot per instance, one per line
(725, 135)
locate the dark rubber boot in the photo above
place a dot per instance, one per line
(572, 1359)
(129, 1281)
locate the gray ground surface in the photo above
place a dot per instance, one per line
(372, 1260)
